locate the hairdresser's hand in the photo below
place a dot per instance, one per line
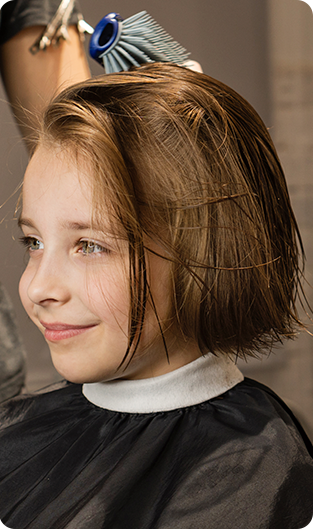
(32, 80)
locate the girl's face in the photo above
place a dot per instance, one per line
(75, 286)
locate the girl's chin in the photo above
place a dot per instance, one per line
(73, 373)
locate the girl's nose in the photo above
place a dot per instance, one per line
(48, 285)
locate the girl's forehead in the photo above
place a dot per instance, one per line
(57, 189)
(53, 179)
(57, 158)
(51, 168)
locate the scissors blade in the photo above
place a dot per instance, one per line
(50, 33)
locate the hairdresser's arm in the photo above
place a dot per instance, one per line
(31, 80)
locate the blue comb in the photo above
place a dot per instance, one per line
(118, 44)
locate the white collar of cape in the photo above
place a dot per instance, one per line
(205, 378)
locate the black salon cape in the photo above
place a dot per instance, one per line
(235, 461)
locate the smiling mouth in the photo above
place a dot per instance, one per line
(58, 331)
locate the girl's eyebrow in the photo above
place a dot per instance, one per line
(81, 225)
(74, 225)
(69, 225)
(23, 221)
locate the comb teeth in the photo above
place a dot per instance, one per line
(141, 40)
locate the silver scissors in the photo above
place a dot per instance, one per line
(57, 27)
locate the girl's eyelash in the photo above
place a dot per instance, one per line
(24, 240)
(27, 241)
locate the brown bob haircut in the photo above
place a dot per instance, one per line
(183, 160)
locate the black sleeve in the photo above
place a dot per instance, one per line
(19, 14)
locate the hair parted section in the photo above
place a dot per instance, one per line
(183, 160)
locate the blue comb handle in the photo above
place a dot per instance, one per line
(105, 34)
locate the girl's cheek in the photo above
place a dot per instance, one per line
(23, 289)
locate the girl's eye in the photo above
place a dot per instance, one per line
(31, 243)
(90, 247)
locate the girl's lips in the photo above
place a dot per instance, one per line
(58, 331)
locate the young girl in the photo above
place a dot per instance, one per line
(162, 246)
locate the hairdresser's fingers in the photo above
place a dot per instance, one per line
(193, 65)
